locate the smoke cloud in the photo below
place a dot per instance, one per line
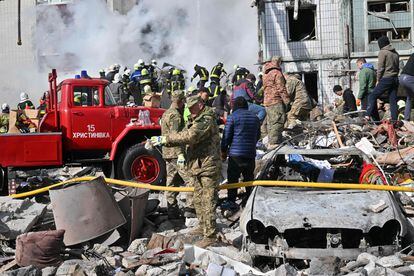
(87, 35)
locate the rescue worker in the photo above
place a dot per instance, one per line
(244, 87)
(4, 118)
(220, 100)
(25, 102)
(202, 72)
(367, 79)
(111, 73)
(275, 100)
(301, 105)
(116, 88)
(239, 73)
(43, 104)
(387, 79)
(152, 69)
(349, 101)
(172, 121)
(102, 74)
(203, 164)
(217, 72)
(137, 73)
(145, 79)
(177, 81)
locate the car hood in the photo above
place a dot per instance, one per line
(338, 209)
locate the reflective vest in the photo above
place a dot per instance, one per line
(216, 72)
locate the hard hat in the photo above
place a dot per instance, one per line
(24, 96)
(154, 62)
(147, 89)
(112, 67)
(235, 67)
(117, 66)
(260, 74)
(136, 66)
(144, 72)
(127, 72)
(401, 104)
(176, 72)
(220, 64)
(5, 106)
(102, 71)
(117, 78)
(195, 66)
(141, 62)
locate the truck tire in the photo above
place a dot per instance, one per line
(142, 165)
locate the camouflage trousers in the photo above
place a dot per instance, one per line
(205, 201)
(276, 118)
(297, 112)
(177, 177)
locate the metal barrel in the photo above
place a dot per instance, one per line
(85, 210)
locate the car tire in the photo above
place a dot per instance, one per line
(142, 165)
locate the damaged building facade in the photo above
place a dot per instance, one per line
(322, 39)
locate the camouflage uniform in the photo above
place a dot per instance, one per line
(4, 123)
(301, 105)
(203, 163)
(172, 122)
(275, 99)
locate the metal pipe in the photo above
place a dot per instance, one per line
(268, 183)
(19, 25)
(348, 55)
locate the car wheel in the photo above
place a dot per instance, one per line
(142, 165)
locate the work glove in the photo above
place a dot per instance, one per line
(158, 140)
(181, 161)
(358, 102)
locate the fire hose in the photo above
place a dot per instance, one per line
(267, 183)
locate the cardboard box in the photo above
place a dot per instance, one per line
(12, 122)
(32, 113)
(153, 101)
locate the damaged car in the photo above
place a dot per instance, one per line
(297, 224)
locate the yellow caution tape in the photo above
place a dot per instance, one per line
(270, 183)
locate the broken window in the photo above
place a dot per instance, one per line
(304, 28)
(373, 35)
(311, 83)
(403, 34)
(377, 7)
(400, 6)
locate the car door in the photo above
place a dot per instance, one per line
(91, 119)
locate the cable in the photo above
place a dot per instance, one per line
(266, 183)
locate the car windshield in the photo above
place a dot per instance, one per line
(109, 98)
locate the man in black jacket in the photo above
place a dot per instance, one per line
(348, 97)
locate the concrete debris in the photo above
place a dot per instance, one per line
(390, 261)
(24, 271)
(325, 266)
(18, 216)
(138, 246)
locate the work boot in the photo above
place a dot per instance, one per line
(189, 212)
(206, 242)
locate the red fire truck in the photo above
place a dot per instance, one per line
(84, 126)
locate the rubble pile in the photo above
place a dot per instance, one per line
(127, 231)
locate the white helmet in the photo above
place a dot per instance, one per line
(112, 67)
(147, 89)
(117, 66)
(154, 62)
(235, 67)
(127, 72)
(117, 78)
(141, 62)
(24, 96)
(5, 106)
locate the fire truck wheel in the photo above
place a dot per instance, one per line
(142, 165)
